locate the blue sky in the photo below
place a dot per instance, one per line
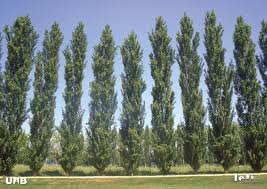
(124, 16)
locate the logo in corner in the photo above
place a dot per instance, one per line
(16, 180)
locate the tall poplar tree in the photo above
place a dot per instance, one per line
(247, 89)
(194, 113)
(262, 65)
(2, 105)
(219, 80)
(44, 101)
(162, 59)
(1, 89)
(262, 59)
(71, 137)
(133, 109)
(21, 41)
(103, 102)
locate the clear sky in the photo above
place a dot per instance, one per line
(124, 16)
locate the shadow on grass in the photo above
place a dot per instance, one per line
(52, 173)
(25, 173)
(209, 172)
(82, 173)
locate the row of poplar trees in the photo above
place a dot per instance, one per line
(221, 79)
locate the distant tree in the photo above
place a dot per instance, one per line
(133, 108)
(247, 89)
(147, 147)
(21, 41)
(219, 80)
(243, 159)
(70, 131)
(210, 159)
(179, 144)
(54, 148)
(103, 102)
(115, 154)
(23, 153)
(162, 59)
(44, 101)
(193, 109)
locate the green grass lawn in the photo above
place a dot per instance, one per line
(23, 170)
(218, 182)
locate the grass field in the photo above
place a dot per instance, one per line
(218, 182)
(23, 170)
(183, 180)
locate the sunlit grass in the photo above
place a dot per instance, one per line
(56, 170)
(217, 182)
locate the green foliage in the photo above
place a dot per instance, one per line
(2, 105)
(21, 41)
(219, 80)
(194, 112)
(133, 109)
(70, 131)
(44, 101)
(262, 59)
(133, 146)
(247, 89)
(162, 59)
(2, 99)
(227, 149)
(262, 65)
(103, 102)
